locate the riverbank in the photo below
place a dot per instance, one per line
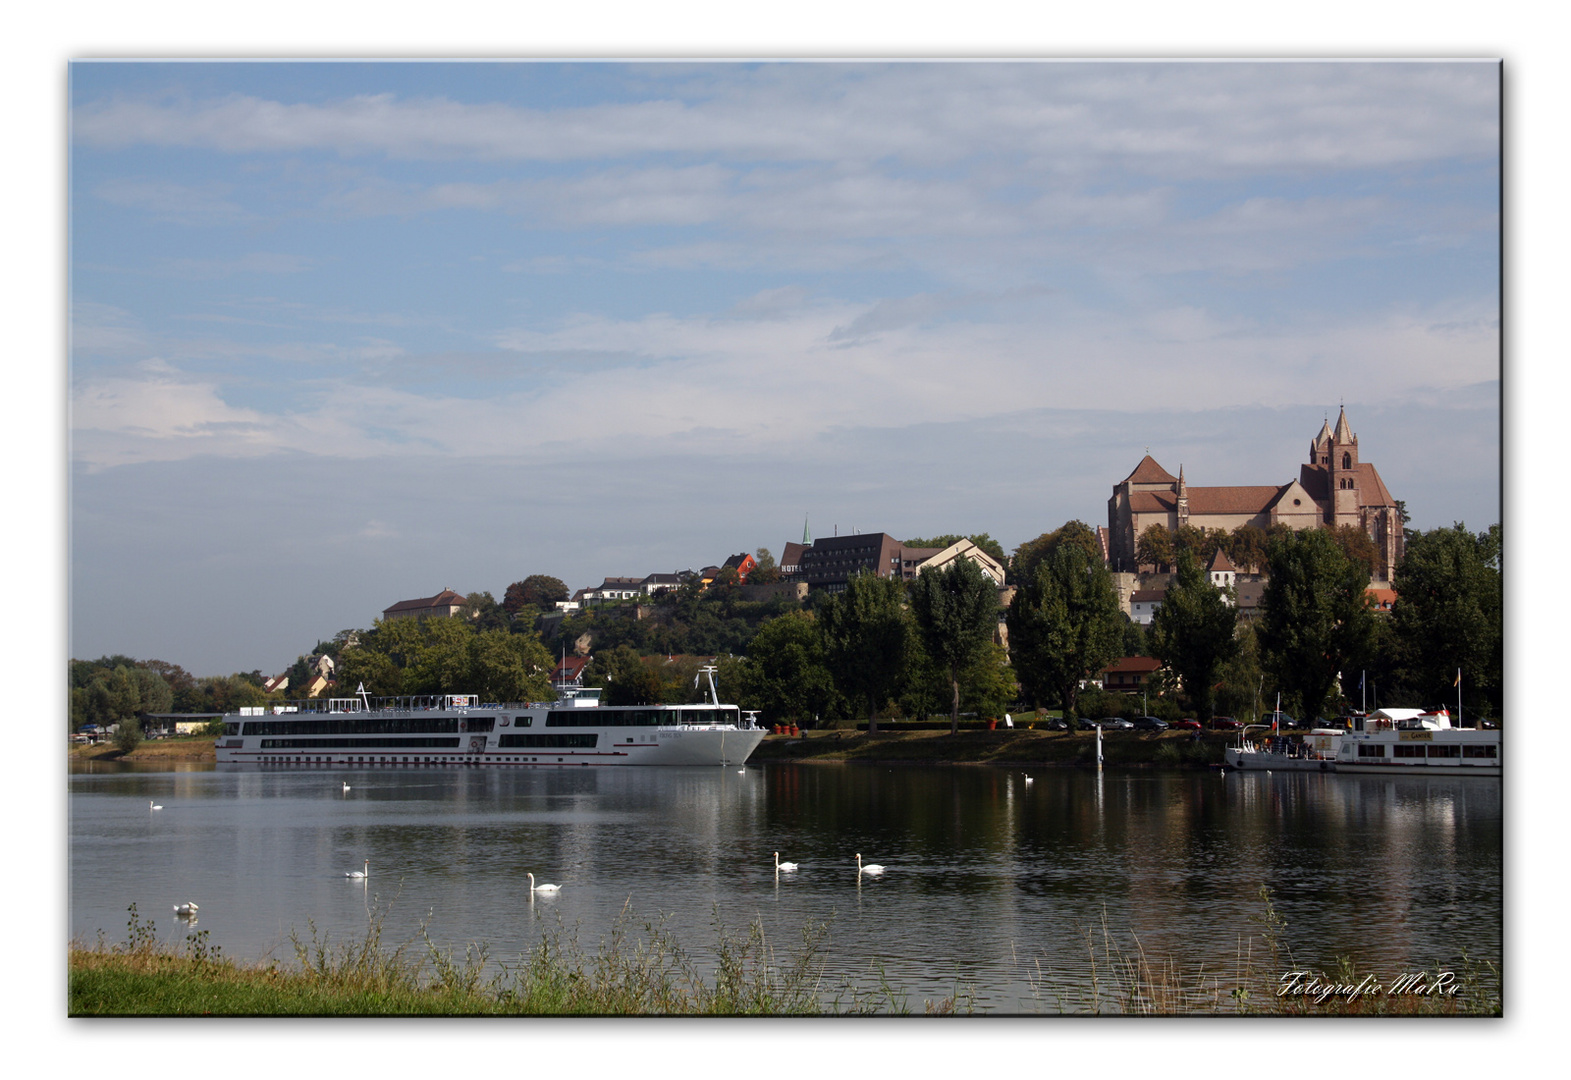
(1019, 747)
(150, 752)
(650, 974)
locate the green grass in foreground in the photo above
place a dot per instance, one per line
(651, 975)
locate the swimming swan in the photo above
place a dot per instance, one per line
(346, 785)
(870, 868)
(152, 805)
(542, 888)
(359, 873)
(185, 910)
(786, 866)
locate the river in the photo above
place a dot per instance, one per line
(992, 890)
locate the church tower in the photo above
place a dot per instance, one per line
(1182, 499)
(1342, 468)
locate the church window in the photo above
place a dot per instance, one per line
(1347, 461)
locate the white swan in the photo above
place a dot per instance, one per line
(151, 805)
(1028, 779)
(346, 785)
(870, 868)
(185, 910)
(359, 873)
(542, 888)
(786, 866)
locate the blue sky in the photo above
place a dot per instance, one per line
(349, 333)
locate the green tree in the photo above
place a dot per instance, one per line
(1155, 547)
(765, 571)
(1315, 620)
(790, 677)
(868, 635)
(1064, 625)
(956, 612)
(538, 591)
(1448, 613)
(1192, 632)
(1033, 553)
(1246, 546)
(1356, 545)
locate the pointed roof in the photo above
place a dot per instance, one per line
(1149, 472)
(1344, 433)
(1325, 434)
(1221, 563)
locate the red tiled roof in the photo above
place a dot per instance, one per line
(1147, 596)
(1132, 665)
(1149, 472)
(1152, 502)
(1220, 563)
(1231, 500)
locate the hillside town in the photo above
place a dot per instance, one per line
(1206, 553)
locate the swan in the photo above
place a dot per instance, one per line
(786, 866)
(359, 873)
(870, 868)
(151, 805)
(346, 785)
(1028, 779)
(185, 910)
(542, 888)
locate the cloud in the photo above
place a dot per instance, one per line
(179, 204)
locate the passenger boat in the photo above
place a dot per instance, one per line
(1315, 752)
(456, 729)
(1410, 741)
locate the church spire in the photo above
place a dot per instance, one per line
(1344, 433)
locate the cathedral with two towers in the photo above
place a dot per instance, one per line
(1333, 488)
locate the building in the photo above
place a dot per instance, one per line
(444, 604)
(830, 561)
(1129, 674)
(1334, 487)
(1143, 604)
(743, 564)
(569, 673)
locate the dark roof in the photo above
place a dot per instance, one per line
(1231, 500)
(1146, 596)
(445, 598)
(1152, 502)
(1220, 562)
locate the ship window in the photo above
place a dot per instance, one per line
(1365, 750)
(1445, 751)
(1407, 751)
(1479, 751)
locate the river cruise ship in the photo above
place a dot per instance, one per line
(457, 729)
(1423, 742)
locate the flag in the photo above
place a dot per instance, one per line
(1458, 677)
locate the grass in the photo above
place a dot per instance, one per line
(647, 973)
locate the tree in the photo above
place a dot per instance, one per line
(1155, 547)
(868, 636)
(1448, 613)
(789, 676)
(1032, 553)
(1064, 625)
(1315, 618)
(483, 612)
(765, 571)
(1356, 545)
(1246, 546)
(956, 612)
(1192, 632)
(539, 591)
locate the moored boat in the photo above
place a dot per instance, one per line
(457, 729)
(1315, 752)
(1412, 741)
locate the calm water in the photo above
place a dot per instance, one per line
(991, 883)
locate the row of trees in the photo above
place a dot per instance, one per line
(1248, 546)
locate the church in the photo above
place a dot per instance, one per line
(1333, 488)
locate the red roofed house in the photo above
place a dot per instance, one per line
(444, 604)
(1129, 673)
(1333, 488)
(569, 673)
(1381, 599)
(1143, 604)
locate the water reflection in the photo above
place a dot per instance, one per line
(989, 881)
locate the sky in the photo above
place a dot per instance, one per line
(348, 333)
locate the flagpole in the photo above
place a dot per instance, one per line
(1458, 697)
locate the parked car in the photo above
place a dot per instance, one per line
(1187, 724)
(1224, 723)
(1148, 723)
(1058, 724)
(1283, 720)
(1118, 724)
